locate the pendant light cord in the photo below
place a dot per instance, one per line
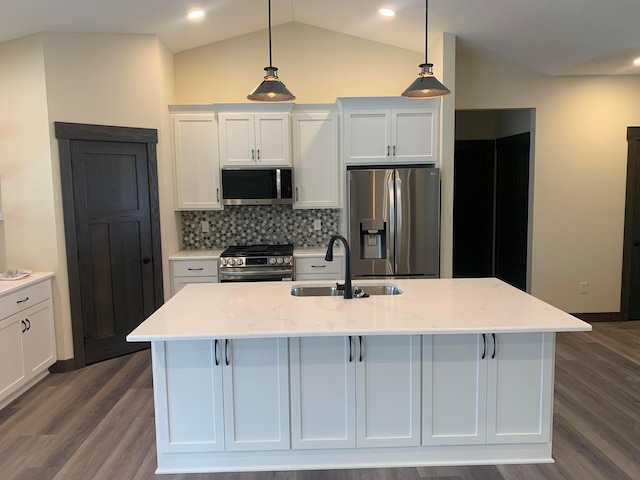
(270, 60)
(426, 29)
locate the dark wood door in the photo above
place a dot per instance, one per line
(112, 226)
(512, 209)
(630, 300)
(473, 198)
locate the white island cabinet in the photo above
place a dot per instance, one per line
(248, 377)
(355, 391)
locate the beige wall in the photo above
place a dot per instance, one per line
(317, 65)
(579, 177)
(124, 80)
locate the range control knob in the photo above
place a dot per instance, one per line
(287, 260)
(240, 261)
(223, 262)
(279, 260)
(232, 261)
(272, 261)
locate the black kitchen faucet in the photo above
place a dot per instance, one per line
(348, 291)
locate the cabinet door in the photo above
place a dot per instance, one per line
(315, 159)
(12, 371)
(180, 282)
(520, 388)
(38, 339)
(388, 390)
(323, 392)
(237, 139)
(367, 135)
(256, 394)
(188, 396)
(197, 164)
(414, 135)
(454, 379)
(272, 143)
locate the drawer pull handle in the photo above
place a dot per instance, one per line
(196, 269)
(318, 266)
(23, 300)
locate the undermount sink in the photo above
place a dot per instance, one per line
(332, 290)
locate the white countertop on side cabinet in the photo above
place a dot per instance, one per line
(8, 286)
(429, 306)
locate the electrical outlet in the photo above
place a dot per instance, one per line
(584, 287)
(204, 226)
(317, 224)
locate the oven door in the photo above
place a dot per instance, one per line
(255, 274)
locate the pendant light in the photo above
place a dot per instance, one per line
(426, 85)
(271, 89)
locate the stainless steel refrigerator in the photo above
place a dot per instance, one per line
(394, 221)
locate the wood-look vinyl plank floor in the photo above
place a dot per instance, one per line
(97, 423)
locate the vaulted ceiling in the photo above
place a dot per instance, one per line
(554, 37)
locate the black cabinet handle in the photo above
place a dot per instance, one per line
(388, 151)
(24, 326)
(350, 349)
(215, 352)
(484, 348)
(394, 150)
(28, 324)
(195, 269)
(361, 349)
(493, 355)
(23, 300)
(146, 260)
(226, 352)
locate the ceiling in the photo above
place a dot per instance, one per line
(554, 37)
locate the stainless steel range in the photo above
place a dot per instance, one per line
(256, 263)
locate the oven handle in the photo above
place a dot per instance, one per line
(257, 273)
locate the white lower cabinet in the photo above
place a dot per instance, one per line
(317, 268)
(27, 339)
(221, 395)
(502, 393)
(186, 271)
(359, 391)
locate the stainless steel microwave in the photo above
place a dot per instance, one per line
(257, 186)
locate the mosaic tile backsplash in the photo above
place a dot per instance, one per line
(261, 224)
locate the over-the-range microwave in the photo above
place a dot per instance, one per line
(257, 186)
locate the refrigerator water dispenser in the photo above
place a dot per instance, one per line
(373, 239)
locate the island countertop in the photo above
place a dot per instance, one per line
(429, 306)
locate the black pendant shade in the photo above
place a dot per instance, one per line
(426, 85)
(271, 89)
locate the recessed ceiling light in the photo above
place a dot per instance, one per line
(196, 14)
(387, 12)
(637, 62)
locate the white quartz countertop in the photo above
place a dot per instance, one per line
(430, 306)
(8, 286)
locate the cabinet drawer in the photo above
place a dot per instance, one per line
(24, 298)
(194, 268)
(317, 265)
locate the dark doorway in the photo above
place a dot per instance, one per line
(110, 198)
(490, 208)
(473, 198)
(630, 298)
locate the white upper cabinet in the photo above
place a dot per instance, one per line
(197, 165)
(396, 131)
(254, 139)
(315, 160)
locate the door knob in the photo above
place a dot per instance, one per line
(146, 260)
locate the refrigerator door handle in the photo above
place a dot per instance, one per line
(399, 231)
(391, 239)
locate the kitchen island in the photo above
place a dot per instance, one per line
(449, 372)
